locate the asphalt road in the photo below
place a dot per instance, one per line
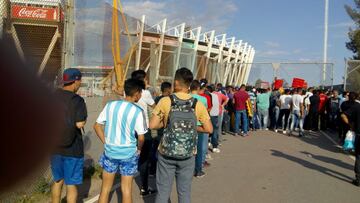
(264, 167)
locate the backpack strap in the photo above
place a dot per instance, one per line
(194, 103)
(172, 99)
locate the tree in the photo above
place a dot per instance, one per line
(354, 34)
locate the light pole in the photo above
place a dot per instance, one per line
(325, 40)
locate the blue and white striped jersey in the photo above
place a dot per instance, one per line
(122, 119)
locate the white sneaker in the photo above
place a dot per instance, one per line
(208, 157)
(216, 150)
(284, 132)
(276, 130)
(210, 145)
(266, 128)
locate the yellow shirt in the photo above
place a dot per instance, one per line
(162, 109)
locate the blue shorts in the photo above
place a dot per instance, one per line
(125, 167)
(69, 169)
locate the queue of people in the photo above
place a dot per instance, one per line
(189, 117)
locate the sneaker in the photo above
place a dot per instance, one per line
(216, 150)
(200, 174)
(245, 135)
(235, 135)
(206, 164)
(208, 157)
(266, 129)
(210, 145)
(148, 192)
(276, 130)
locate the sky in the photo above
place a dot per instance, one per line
(279, 30)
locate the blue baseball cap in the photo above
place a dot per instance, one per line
(71, 75)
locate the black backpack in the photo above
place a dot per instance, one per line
(180, 135)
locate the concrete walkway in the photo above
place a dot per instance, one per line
(271, 167)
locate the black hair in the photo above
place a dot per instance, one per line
(132, 86)
(210, 88)
(195, 85)
(353, 96)
(242, 86)
(203, 83)
(287, 91)
(138, 75)
(164, 86)
(69, 84)
(184, 76)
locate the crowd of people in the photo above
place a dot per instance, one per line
(190, 118)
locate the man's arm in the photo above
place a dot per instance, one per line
(141, 140)
(99, 130)
(206, 127)
(156, 121)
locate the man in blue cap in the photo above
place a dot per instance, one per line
(68, 159)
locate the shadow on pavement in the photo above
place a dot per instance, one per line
(317, 139)
(312, 166)
(329, 160)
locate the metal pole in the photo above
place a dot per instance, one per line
(138, 54)
(68, 57)
(346, 74)
(3, 15)
(325, 39)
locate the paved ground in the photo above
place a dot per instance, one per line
(265, 167)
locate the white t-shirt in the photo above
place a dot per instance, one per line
(215, 111)
(297, 100)
(145, 100)
(307, 98)
(285, 101)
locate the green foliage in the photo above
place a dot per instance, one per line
(354, 35)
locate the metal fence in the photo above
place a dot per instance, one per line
(315, 74)
(352, 76)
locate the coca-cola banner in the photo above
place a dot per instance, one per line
(38, 13)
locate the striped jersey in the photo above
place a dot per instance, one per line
(122, 119)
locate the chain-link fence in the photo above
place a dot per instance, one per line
(352, 76)
(36, 29)
(315, 74)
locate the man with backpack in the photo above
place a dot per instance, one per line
(68, 160)
(179, 114)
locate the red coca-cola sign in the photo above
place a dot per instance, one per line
(37, 13)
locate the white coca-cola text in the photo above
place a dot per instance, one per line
(36, 13)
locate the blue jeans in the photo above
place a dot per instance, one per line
(263, 118)
(215, 135)
(296, 119)
(244, 121)
(202, 146)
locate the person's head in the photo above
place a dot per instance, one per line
(298, 91)
(165, 88)
(139, 75)
(315, 92)
(353, 96)
(287, 92)
(345, 95)
(183, 79)
(335, 93)
(210, 88)
(195, 86)
(311, 89)
(72, 79)
(242, 87)
(219, 86)
(133, 89)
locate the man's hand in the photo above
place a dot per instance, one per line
(99, 129)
